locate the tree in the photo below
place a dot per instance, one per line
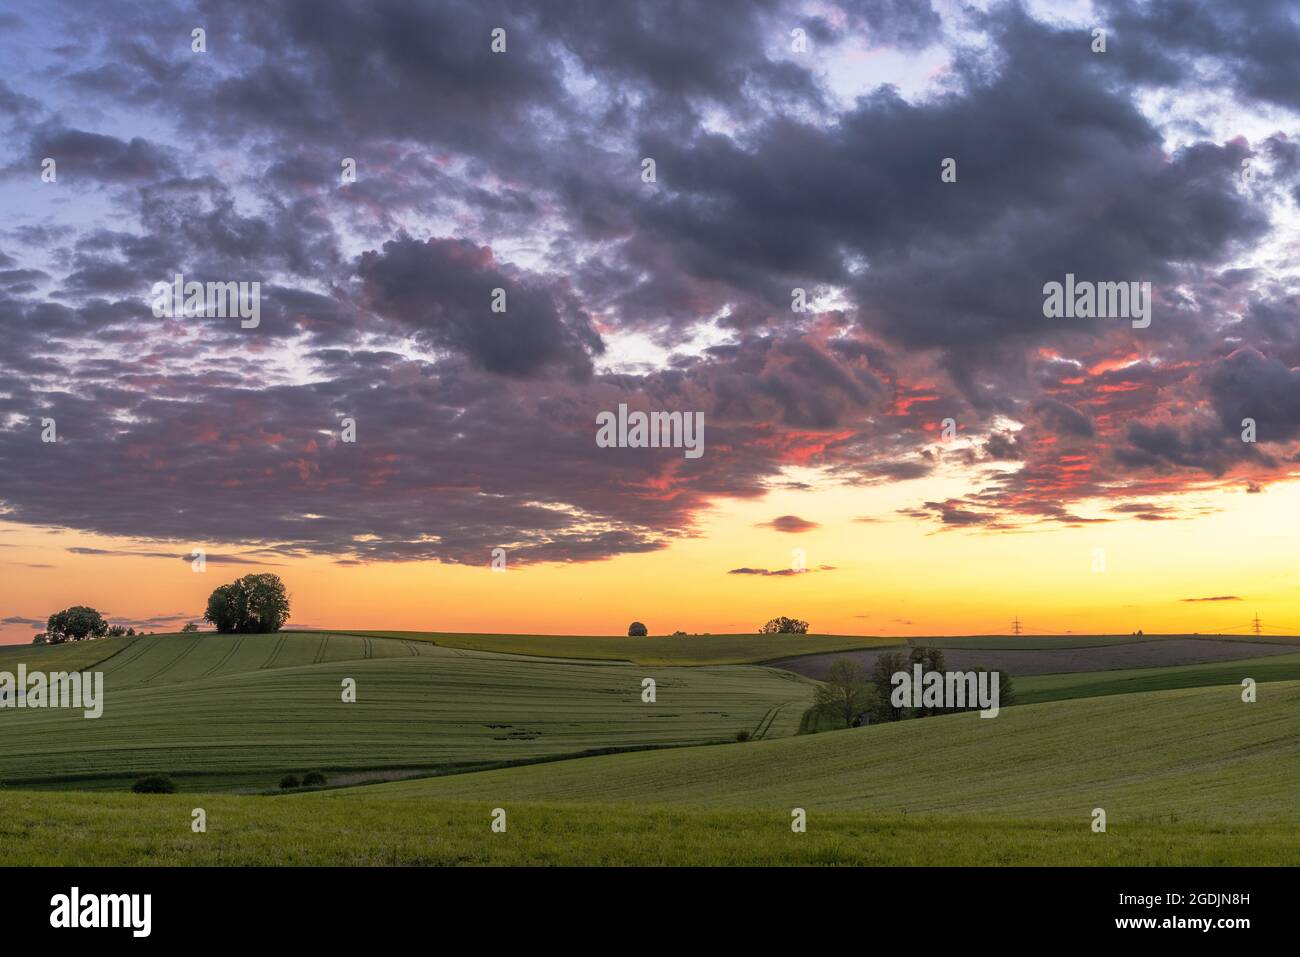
(882, 674)
(254, 604)
(784, 626)
(189, 628)
(77, 623)
(930, 659)
(636, 630)
(38, 638)
(846, 693)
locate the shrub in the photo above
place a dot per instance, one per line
(154, 784)
(636, 630)
(289, 781)
(742, 736)
(190, 627)
(313, 779)
(679, 634)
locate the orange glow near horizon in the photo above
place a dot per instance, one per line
(890, 575)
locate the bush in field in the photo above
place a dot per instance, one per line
(289, 781)
(784, 626)
(846, 694)
(313, 779)
(154, 784)
(190, 628)
(77, 623)
(742, 736)
(636, 630)
(38, 638)
(253, 604)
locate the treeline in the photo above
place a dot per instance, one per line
(852, 695)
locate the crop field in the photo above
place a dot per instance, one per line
(1197, 754)
(1059, 687)
(239, 711)
(82, 829)
(72, 656)
(651, 650)
(1045, 660)
(443, 731)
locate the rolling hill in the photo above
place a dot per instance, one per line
(1196, 754)
(221, 711)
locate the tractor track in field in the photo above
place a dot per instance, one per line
(410, 646)
(189, 650)
(230, 653)
(120, 651)
(275, 653)
(320, 651)
(765, 723)
(141, 647)
(370, 649)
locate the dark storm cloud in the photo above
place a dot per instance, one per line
(444, 290)
(476, 428)
(1254, 46)
(1061, 417)
(80, 154)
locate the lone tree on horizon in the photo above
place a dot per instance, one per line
(784, 626)
(636, 630)
(254, 604)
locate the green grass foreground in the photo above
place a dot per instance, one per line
(79, 829)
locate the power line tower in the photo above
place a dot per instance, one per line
(1256, 623)
(1015, 625)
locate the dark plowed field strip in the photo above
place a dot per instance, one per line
(1049, 661)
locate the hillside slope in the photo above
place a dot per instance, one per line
(1197, 753)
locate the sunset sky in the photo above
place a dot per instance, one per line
(1098, 481)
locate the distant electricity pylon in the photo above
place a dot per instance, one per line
(1256, 623)
(1015, 625)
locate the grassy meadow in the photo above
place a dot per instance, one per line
(553, 729)
(218, 711)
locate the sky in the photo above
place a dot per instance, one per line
(922, 449)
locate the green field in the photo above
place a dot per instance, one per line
(219, 711)
(1037, 688)
(1198, 754)
(651, 650)
(80, 829)
(72, 656)
(556, 732)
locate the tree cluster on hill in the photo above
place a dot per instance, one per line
(784, 626)
(254, 604)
